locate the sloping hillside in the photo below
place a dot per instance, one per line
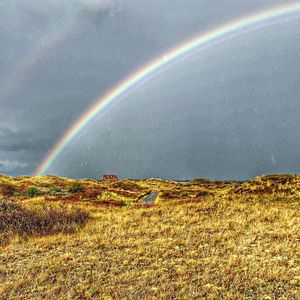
(286, 185)
(200, 240)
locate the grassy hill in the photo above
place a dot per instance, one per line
(67, 239)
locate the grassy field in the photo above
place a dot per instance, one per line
(200, 240)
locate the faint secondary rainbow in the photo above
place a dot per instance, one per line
(48, 42)
(208, 39)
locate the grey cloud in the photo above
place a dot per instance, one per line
(96, 11)
(35, 14)
(13, 165)
(14, 141)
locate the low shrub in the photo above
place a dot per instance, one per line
(128, 186)
(55, 191)
(166, 195)
(16, 219)
(33, 191)
(185, 194)
(202, 193)
(75, 188)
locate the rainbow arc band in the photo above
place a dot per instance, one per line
(203, 41)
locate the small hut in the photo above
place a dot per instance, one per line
(110, 177)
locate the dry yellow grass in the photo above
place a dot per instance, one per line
(221, 246)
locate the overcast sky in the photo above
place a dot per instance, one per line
(230, 112)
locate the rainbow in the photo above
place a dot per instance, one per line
(122, 90)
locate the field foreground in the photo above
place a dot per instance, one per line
(200, 240)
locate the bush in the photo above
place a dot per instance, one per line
(33, 192)
(185, 194)
(166, 195)
(55, 191)
(16, 219)
(202, 193)
(75, 188)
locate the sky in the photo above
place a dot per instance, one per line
(229, 112)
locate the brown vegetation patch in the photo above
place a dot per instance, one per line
(125, 194)
(7, 190)
(127, 186)
(15, 219)
(79, 198)
(192, 200)
(92, 193)
(111, 203)
(142, 206)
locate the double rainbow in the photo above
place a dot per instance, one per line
(151, 70)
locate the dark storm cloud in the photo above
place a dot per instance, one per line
(19, 150)
(14, 141)
(231, 112)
